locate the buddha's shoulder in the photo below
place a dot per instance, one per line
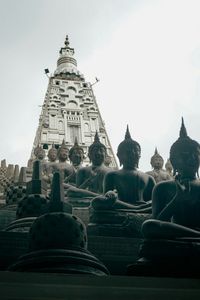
(165, 185)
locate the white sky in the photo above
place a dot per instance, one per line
(145, 53)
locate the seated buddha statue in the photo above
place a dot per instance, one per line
(176, 203)
(158, 173)
(76, 156)
(62, 166)
(89, 179)
(50, 166)
(39, 153)
(133, 187)
(172, 237)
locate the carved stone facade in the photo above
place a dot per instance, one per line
(70, 109)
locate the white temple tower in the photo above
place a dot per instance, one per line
(70, 109)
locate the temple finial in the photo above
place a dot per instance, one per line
(127, 135)
(67, 41)
(183, 131)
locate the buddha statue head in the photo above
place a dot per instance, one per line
(185, 155)
(76, 154)
(39, 152)
(157, 161)
(97, 151)
(129, 152)
(52, 153)
(63, 152)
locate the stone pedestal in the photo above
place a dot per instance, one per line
(118, 223)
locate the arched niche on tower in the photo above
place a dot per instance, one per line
(71, 91)
(72, 104)
(87, 127)
(60, 125)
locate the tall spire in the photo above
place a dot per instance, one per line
(66, 63)
(70, 110)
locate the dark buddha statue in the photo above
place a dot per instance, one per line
(125, 204)
(39, 153)
(133, 187)
(89, 180)
(158, 173)
(62, 166)
(176, 203)
(76, 156)
(172, 237)
(50, 166)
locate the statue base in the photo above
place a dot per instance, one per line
(119, 223)
(79, 202)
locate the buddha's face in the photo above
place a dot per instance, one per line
(52, 155)
(129, 157)
(76, 157)
(97, 156)
(40, 154)
(187, 162)
(157, 162)
(63, 154)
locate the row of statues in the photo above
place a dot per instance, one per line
(129, 188)
(90, 178)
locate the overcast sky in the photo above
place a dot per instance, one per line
(145, 53)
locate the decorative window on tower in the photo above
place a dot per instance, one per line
(74, 132)
(93, 124)
(72, 104)
(52, 121)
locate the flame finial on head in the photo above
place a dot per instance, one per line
(96, 138)
(127, 134)
(183, 131)
(76, 141)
